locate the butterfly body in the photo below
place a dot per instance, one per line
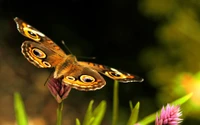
(44, 53)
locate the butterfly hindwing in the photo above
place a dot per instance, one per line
(39, 55)
(83, 78)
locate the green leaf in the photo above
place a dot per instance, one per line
(88, 116)
(91, 120)
(94, 117)
(77, 122)
(59, 114)
(115, 103)
(147, 120)
(20, 112)
(182, 100)
(99, 113)
(134, 114)
(131, 105)
(152, 117)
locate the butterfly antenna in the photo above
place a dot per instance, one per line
(48, 78)
(63, 42)
(84, 57)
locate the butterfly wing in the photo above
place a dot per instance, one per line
(39, 55)
(32, 33)
(42, 51)
(112, 73)
(83, 78)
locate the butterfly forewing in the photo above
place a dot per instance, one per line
(113, 73)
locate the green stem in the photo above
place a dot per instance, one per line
(59, 113)
(115, 103)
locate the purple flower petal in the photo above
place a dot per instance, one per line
(58, 89)
(169, 116)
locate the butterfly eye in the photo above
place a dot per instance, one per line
(86, 78)
(70, 78)
(46, 64)
(38, 53)
(114, 74)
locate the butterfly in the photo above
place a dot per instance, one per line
(85, 76)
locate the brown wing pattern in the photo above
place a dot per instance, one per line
(113, 73)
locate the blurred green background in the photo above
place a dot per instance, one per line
(158, 40)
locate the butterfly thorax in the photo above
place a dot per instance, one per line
(65, 66)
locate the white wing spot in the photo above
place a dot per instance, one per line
(18, 26)
(114, 70)
(36, 32)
